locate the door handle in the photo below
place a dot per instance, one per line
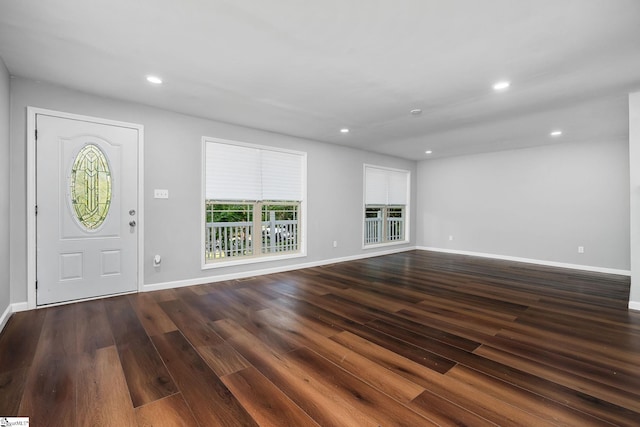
(132, 223)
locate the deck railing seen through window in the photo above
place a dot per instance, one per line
(276, 232)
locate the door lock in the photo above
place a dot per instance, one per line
(132, 223)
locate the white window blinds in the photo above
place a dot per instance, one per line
(281, 176)
(238, 172)
(385, 186)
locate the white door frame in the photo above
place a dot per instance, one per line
(31, 193)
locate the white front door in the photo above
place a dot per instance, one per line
(87, 208)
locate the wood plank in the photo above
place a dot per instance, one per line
(222, 358)
(93, 330)
(446, 413)
(481, 320)
(378, 406)
(209, 288)
(425, 330)
(12, 385)
(337, 308)
(50, 392)
(18, 344)
(19, 339)
(146, 375)
(424, 357)
(197, 328)
(102, 391)
(164, 295)
(124, 321)
(592, 329)
(419, 340)
(210, 400)
(299, 322)
(554, 341)
(241, 300)
(370, 372)
(447, 322)
(371, 300)
(543, 387)
(533, 403)
(171, 411)
(302, 285)
(578, 308)
(267, 405)
(313, 397)
(625, 378)
(154, 320)
(260, 325)
(442, 387)
(601, 391)
(207, 305)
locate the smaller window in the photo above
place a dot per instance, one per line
(229, 228)
(394, 221)
(373, 224)
(384, 224)
(386, 197)
(280, 232)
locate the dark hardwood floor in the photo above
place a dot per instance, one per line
(412, 339)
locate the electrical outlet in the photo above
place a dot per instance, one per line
(450, 238)
(580, 249)
(160, 194)
(335, 243)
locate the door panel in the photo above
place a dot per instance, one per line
(87, 195)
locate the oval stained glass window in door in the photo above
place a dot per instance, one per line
(90, 184)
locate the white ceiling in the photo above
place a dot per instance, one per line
(308, 68)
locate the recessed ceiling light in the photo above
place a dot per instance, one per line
(344, 130)
(154, 79)
(556, 133)
(501, 85)
(428, 152)
(416, 112)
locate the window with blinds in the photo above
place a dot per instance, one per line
(253, 202)
(386, 201)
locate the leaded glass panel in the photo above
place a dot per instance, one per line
(90, 187)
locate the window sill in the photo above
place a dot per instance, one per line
(385, 244)
(254, 260)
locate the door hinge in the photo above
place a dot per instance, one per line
(36, 134)
(36, 285)
(36, 210)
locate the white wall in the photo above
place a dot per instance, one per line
(537, 203)
(4, 192)
(634, 161)
(173, 161)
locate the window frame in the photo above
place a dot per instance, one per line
(257, 256)
(384, 210)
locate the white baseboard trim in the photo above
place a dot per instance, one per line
(19, 306)
(262, 272)
(5, 317)
(531, 261)
(633, 305)
(12, 308)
